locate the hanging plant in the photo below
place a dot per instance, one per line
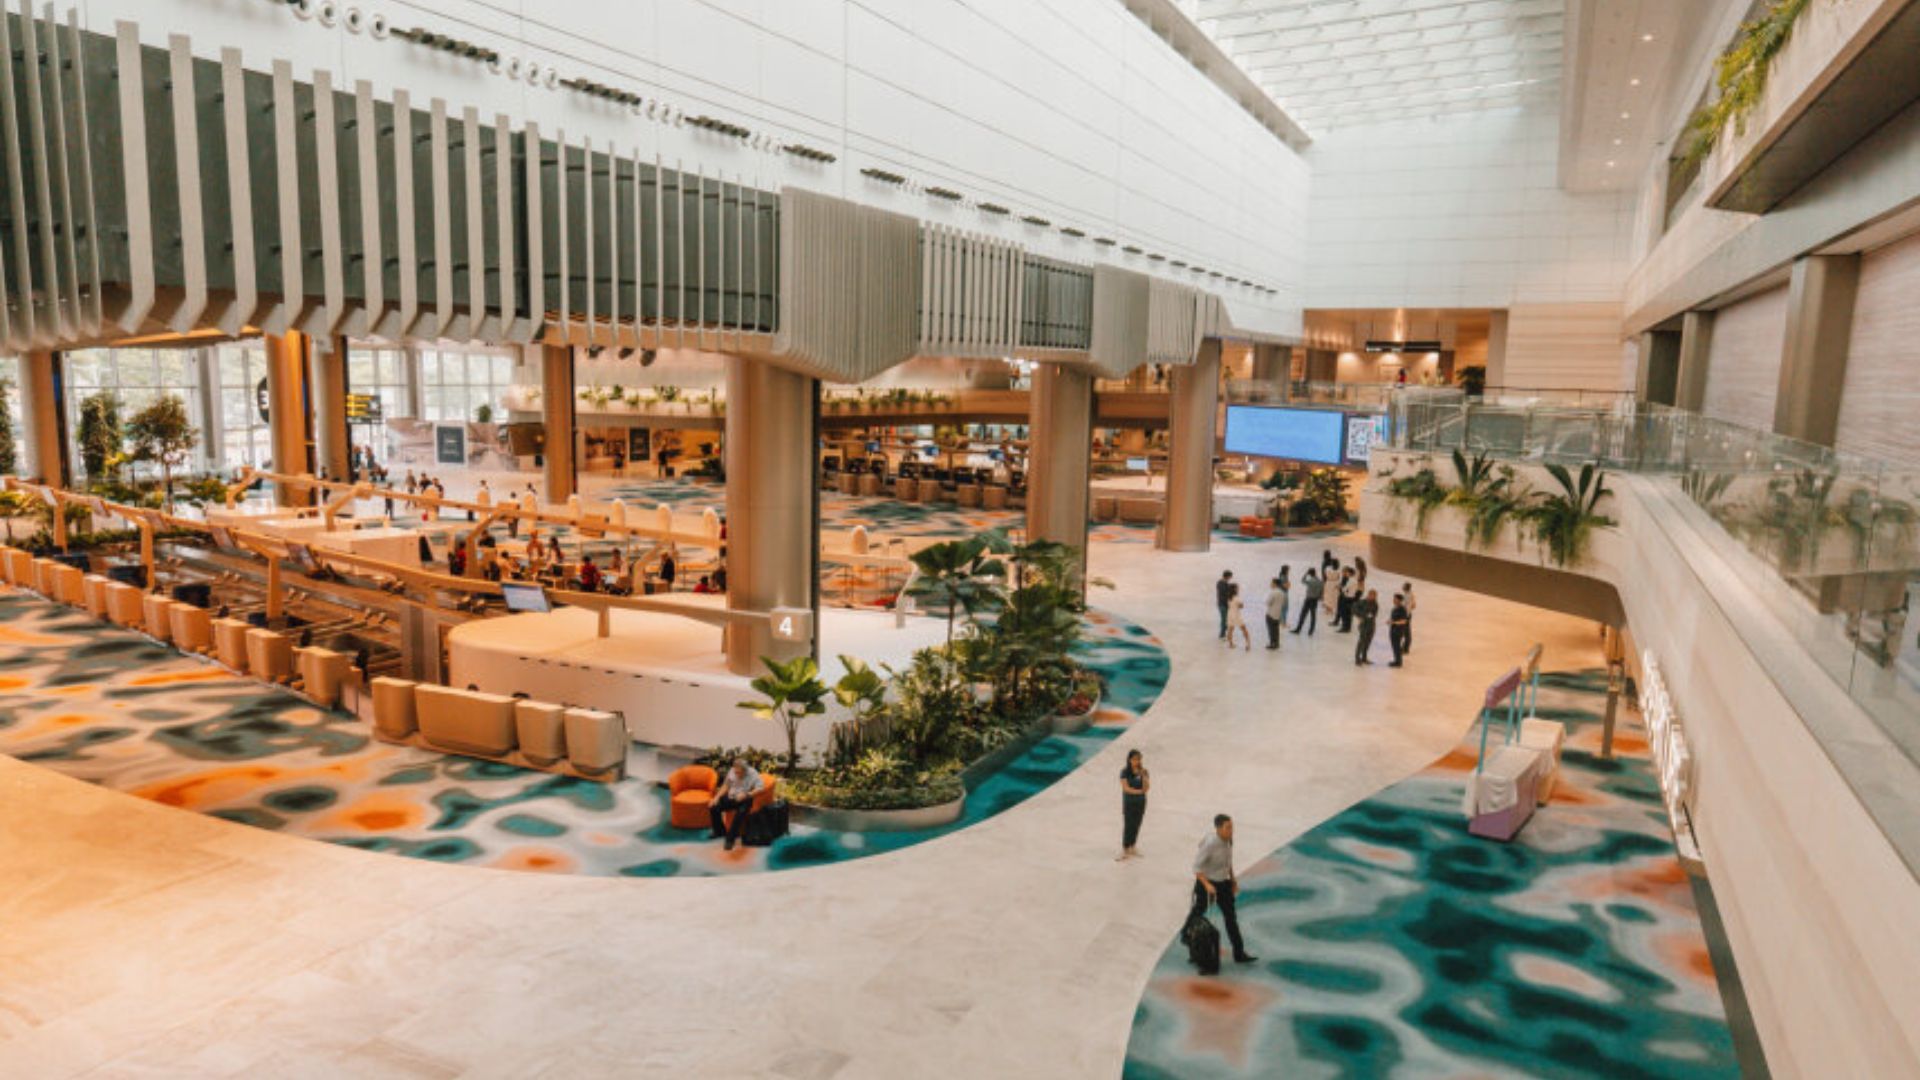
(1563, 521)
(1740, 76)
(1424, 490)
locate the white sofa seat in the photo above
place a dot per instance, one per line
(393, 707)
(542, 729)
(323, 673)
(269, 655)
(596, 741)
(465, 721)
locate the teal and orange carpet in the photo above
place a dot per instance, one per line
(114, 708)
(1395, 944)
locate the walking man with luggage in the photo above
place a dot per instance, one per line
(1214, 882)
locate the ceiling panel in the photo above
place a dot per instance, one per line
(1340, 63)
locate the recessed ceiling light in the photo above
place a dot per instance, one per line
(1646, 37)
(1626, 116)
(1616, 142)
(1633, 82)
(1609, 164)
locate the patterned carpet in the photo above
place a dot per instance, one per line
(116, 709)
(1394, 943)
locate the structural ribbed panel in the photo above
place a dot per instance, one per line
(143, 189)
(971, 288)
(850, 288)
(1120, 320)
(1056, 305)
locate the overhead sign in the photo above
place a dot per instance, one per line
(364, 408)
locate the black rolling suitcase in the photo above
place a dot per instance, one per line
(767, 826)
(1202, 940)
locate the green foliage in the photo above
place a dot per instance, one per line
(206, 491)
(1322, 501)
(15, 504)
(860, 690)
(960, 577)
(162, 433)
(1740, 76)
(100, 435)
(876, 783)
(931, 703)
(1281, 480)
(1705, 488)
(1488, 493)
(793, 692)
(1563, 521)
(1424, 490)
(483, 413)
(9, 450)
(720, 758)
(1472, 379)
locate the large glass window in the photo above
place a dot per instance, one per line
(244, 436)
(380, 372)
(455, 382)
(137, 377)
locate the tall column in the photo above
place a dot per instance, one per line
(1696, 343)
(287, 418)
(1188, 525)
(43, 415)
(1059, 455)
(1272, 364)
(556, 409)
(1813, 363)
(1497, 349)
(332, 446)
(1659, 367)
(772, 526)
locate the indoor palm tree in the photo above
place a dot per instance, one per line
(1562, 521)
(793, 692)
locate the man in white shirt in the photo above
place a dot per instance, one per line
(735, 793)
(1214, 881)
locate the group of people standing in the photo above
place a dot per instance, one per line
(1341, 590)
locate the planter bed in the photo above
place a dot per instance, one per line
(843, 820)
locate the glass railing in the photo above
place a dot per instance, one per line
(1842, 531)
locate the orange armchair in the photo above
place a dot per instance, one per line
(761, 799)
(691, 788)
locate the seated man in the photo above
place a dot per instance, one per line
(589, 574)
(736, 791)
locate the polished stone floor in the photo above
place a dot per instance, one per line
(143, 940)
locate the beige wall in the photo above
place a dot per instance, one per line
(1743, 367)
(1365, 367)
(1880, 399)
(1564, 347)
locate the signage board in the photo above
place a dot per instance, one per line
(1673, 763)
(364, 408)
(791, 624)
(1503, 688)
(1363, 432)
(1311, 435)
(450, 444)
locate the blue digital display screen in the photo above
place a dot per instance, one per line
(531, 599)
(1317, 435)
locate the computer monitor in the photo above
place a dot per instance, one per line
(1137, 464)
(302, 556)
(522, 597)
(997, 454)
(873, 446)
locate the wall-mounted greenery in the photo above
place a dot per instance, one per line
(1740, 75)
(9, 452)
(1424, 490)
(1491, 494)
(1563, 521)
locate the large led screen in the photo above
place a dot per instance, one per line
(1317, 435)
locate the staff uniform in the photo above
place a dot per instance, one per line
(1368, 610)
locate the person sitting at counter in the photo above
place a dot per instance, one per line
(736, 791)
(589, 574)
(704, 585)
(457, 559)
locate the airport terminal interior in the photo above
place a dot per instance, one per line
(827, 539)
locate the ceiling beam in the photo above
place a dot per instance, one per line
(1475, 30)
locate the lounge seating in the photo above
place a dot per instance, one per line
(230, 643)
(192, 628)
(323, 672)
(156, 616)
(690, 790)
(70, 585)
(1105, 507)
(96, 587)
(269, 655)
(994, 497)
(542, 729)
(905, 488)
(596, 741)
(43, 578)
(1256, 526)
(769, 788)
(1141, 511)
(124, 604)
(394, 716)
(465, 721)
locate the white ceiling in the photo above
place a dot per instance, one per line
(1634, 68)
(1341, 63)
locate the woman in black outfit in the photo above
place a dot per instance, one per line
(1134, 782)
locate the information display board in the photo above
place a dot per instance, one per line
(1364, 431)
(1315, 435)
(450, 444)
(522, 597)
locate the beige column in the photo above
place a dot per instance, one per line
(1657, 372)
(1696, 344)
(1188, 524)
(327, 375)
(1059, 455)
(287, 420)
(1497, 349)
(1813, 363)
(42, 409)
(1272, 364)
(772, 524)
(556, 409)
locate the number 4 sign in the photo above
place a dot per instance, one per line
(791, 624)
